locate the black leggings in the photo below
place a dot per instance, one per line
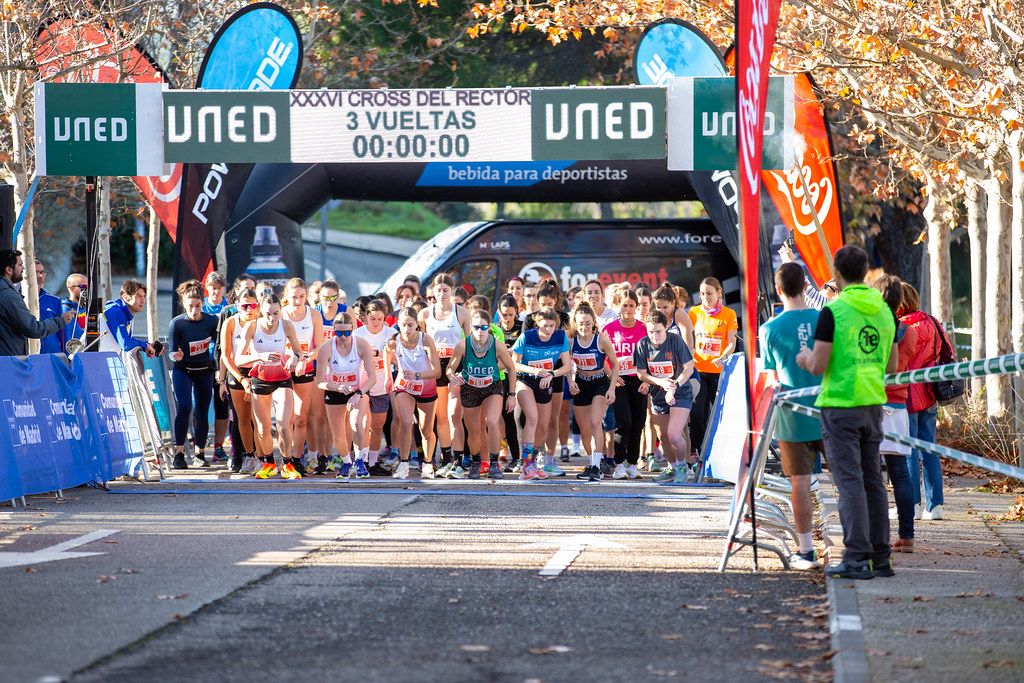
(185, 386)
(630, 419)
(702, 409)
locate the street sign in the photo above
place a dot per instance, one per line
(98, 129)
(702, 124)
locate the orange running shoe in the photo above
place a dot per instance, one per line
(268, 470)
(288, 471)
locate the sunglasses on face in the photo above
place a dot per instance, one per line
(342, 333)
(325, 297)
(481, 327)
(249, 307)
(82, 287)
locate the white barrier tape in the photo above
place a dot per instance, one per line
(1002, 468)
(997, 365)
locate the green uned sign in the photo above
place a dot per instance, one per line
(227, 127)
(89, 129)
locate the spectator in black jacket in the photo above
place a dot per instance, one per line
(17, 325)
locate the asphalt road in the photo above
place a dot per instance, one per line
(398, 585)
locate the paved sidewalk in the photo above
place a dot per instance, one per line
(955, 609)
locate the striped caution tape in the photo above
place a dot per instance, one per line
(998, 365)
(1002, 468)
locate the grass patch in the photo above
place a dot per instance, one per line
(396, 219)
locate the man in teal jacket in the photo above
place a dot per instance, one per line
(854, 347)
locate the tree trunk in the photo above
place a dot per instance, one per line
(997, 294)
(936, 215)
(152, 261)
(103, 237)
(977, 235)
(1017, 232)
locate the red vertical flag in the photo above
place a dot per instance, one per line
(756, 21)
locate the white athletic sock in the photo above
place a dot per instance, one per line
(805, 542)
(577, 443)
(371, 457)
(595, 458)
(361, 454)
(347, 459)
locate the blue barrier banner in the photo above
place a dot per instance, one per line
(111, 423)
(156, 379)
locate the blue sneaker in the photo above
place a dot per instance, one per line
(361, 471)
(391, 463)
(345, 471)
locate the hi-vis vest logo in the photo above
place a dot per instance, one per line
(619, 123)
(98, 129)
(227, 127)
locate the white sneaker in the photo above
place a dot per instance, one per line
(633, 472)
(815, 486)
(620, 472)
(428, 471)
(917, 511)
(402, 471)
(249, 465)
(894, 513)
(933, 514)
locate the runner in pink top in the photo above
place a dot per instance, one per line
(631, 393)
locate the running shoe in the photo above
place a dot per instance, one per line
(236, 463)
(564, 457)
(345, 471)
(883, 568)
(299, 467)
(402, 470)
(268, 470)
(334, 463)
(219, 454)
(633, 472)
(378, 470)
(444, 470)
(933, 514)
(485, 467)
(414, 461)
(391, 462)
(585, 474)
(474, 470)
(322, 463)
(179, 462)
(250, 464)
(456, 472)
(691, 474)
(652, 464)
(361, 471)
(803, 561)
(620, 472)
(595, 473)
(428, 471)
(200, 460)
(606, 468)
(553, 470)
(681, 475)
(530, 473)
(667, 474)
(495, 473)
(288, 471)
(513, 466)
(849, 570)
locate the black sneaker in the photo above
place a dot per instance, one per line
(236, 462)
(585, 474)
(200, 460)
(564, 457)
(512, 466)
(321, 464)
(379, 471)
(884, 568)
(495, 471)
(595, 473)
(179, 462)
(847, 570)
(474, 470)
(299, 467)
(605, 468)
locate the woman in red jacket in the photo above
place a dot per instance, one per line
(921, 406)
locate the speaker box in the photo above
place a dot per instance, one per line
(6, 216)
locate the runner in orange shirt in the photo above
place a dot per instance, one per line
(714, 328)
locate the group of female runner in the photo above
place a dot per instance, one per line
(445, 376)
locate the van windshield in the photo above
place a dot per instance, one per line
(428, 253)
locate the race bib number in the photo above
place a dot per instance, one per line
(344, 377)
(304, 347)
(585, 361)
(627, 366)
(480, 382)
(709, 346)
(328, 333)
(660, 368)
(414, 387)
(542, 364)
(378, 364)
(198, 348)
(445, 350)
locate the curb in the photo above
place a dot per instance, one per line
(850, 663)
(380, 244)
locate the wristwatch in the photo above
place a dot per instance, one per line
(417, 375)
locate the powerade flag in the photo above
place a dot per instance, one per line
(62, 45)
(672, 48)
(258, 48)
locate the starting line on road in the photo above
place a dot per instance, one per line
(406, 492)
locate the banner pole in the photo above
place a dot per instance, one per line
(817, 221)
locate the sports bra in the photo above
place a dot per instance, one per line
(588, 358)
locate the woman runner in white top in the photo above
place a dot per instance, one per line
(377, 335)
(344, 370)
(414, 354)
(232, 341)
(318, 430)
(270, 383)
(446, 323)
(309, 331)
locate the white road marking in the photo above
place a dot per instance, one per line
(315, 265)
(569, 549)
(54, 552)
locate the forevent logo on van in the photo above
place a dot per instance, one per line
(613, 123)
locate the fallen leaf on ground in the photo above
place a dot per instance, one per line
(111, 541)
(475, 648)
(1000, 662)
(829, 655)
(695, 607)
(31, 570)
(550, 650)
(172, 597)
(918, 598)
(672, 636)
(976, 594)
(967, 633)
(764, 646)
(888, 599)
(876, 653)
(762, 625)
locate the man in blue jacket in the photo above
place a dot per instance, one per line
(118, 316)
(16, 323)
(49, 306)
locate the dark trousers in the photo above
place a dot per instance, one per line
(185, 387)
(701, 411)
(902, 492)
(852, 436)
(630, 419)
